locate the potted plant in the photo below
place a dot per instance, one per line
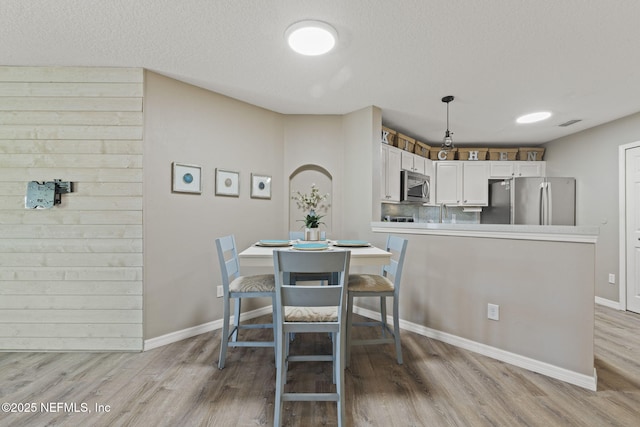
(309, 203)
(311, 226)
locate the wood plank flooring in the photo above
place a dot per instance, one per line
(438, 385)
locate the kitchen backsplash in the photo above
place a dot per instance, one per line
(417, 213)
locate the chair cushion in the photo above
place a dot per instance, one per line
(257, 283)
(369, 283)
(311, 314)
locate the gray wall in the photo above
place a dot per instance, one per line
(592, 157)
(187, 124)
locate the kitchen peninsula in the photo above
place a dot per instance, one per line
(542, 279)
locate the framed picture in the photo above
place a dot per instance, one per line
(227, 183)
(260, 186)
(186, 178)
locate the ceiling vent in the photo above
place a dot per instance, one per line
(569, 123)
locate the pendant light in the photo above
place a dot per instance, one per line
(447, 141)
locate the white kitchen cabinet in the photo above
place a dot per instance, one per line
(462, 183)
(531, 169)
(390, 158)
(475, 183)
(430, 169)
(413, 162)
(448, 182)
(511, 169)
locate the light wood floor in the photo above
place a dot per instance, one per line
(439, 385)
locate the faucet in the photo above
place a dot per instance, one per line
(443, 206)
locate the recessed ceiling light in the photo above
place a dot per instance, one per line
(311, 38)
(534, 117)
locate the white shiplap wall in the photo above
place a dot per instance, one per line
(71, 276)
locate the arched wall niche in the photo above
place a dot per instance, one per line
(301, 180)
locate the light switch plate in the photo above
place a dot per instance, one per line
(493, 311)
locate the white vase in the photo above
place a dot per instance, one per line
(311, 234)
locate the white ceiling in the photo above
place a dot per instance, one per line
(500, 58)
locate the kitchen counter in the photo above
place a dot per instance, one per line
(541, 277)
(550, 233)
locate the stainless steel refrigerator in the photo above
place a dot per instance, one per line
(538, 201)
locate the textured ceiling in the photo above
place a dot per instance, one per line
(499, 58)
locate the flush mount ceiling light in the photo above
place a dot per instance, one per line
(311, 38)
(534, 117)
(447, 141)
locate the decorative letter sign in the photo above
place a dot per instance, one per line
(503, 155)
(532, 156)
(473, 155)
(385, 134)
(442, 155)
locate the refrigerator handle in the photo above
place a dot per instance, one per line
(541, 205)
(549, 198)
(545, 203)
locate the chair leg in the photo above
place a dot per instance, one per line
(288, 337)
(348, 328)
(281, 376)
(236, 319)
(274, 319)
(338, 369)
(335, 349)
(225, 332)
(383, 315)
(396, 330)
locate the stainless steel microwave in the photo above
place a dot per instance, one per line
(415, 187)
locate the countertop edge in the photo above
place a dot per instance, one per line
(554, 233)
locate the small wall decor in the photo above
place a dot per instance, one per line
(260, 186)
(227, 183)
(186, 178)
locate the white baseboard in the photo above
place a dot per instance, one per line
(609, 303)
(156, 342)
(571, 377)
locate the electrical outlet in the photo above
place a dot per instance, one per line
(612, 278)
(493, 311)
(220, 292)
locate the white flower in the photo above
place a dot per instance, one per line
(309, 202)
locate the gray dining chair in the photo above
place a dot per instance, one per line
(237, 287)
(310, 309)
(386, 284)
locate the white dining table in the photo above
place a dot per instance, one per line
(262, 256)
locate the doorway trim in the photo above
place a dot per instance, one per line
(622, 221)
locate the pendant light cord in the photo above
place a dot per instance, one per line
(447, 143)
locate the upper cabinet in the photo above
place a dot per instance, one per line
(512, 169)
(390, 173)
(475, 183)
(448, 182)
(415, 163)
(462, 183)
